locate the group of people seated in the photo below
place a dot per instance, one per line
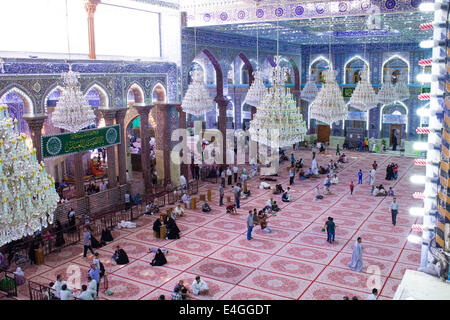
(271, 206)
(92, 188)
(342, 158)
(171, 228)
(392, 171)
(380, 191)
(151, 208)
(181, 291)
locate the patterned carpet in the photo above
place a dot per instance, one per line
(293, 262)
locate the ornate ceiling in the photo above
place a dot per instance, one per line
(391, 28)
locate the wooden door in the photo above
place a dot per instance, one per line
(323, 133)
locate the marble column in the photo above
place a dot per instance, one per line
(122, 147)
(144, 110)
(222, 125)
(35, 124)
(163, 139)
(184, 167)
(79, 175)
(91, 6)
(110, 115)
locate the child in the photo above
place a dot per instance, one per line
(360, 174)
(352, 187)
(390, 192)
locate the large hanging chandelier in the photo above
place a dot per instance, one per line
(309, 92)
(257, 90)
(387, 93)
(402, 89)
(27, 193)
(72, 111)
(364, 97)
(278, 112)
(197, 101)
(329, 106)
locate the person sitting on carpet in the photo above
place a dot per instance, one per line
(120, 256)
(275, 207)
(390, 192)
(268, 206)
(179, 211)
(262, 219)
(301, 174)
(278, 189)
(334, 180)
(322, 170)
(150, 208)
(317, 196)
(159, 259)
(308, 173)
(173, 232)
(157, 225)
(299, 164)
(286, 197)
(206, 207)
(231, 209)
(264, 185)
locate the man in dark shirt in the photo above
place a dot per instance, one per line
(329, 225)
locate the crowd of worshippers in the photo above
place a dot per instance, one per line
(392, 171)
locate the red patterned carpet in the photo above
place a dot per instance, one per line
(293, 262)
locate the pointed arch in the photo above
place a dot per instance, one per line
(248, 66)
(353, 59)
(49, 92)
(316, 60)
(28, 105)
(395, 103)
(393, 57)
(159, 92)
(103, 93)
(138, 92)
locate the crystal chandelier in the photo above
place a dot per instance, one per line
(310, 90)
(257, 90)
(364, 97)
(329, 106)
(278, 113)
(27, 192)
(402, 89)
(197, 101)
(387, 93)
(72, 111)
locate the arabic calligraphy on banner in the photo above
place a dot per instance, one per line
(394, 118)
(70, 143)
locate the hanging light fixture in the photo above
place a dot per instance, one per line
(257, 89)
(329, 105)
(387, 93)
(309, 92)
(278, 111)
(27, 193)
(197, 101)
(364, 97)
(402, 89)
(72, 111)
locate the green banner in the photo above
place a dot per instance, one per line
(347, 92)
(425, 90)
(70, 143)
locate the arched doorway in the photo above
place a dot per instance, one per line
(159, 94)
(395, 67)
(353, 69)
(19, 104)
(394, 122)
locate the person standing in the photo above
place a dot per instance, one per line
(222, 178)
(221, 194)
(197, 171)
(330, 226)
(183, 182)
(356, 264)
(393, 208)
(351, 188)
(360, 176)
(235, 173)
(292, 160)
(291, 175)
(94, 273)
(237, 194)
(87, 242)
(314, 151)
(249, 225)
(337, 150)
(229, 175)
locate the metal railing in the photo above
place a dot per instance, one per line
(40, 292)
